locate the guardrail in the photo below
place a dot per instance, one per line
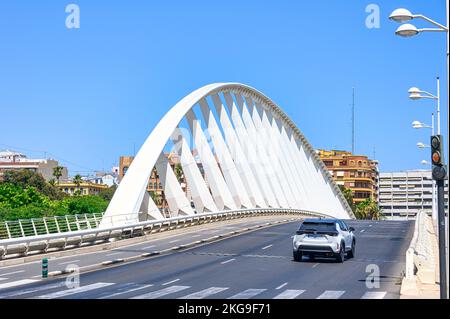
(48, 225)
(72, 239)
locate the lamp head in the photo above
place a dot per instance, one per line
(407, 30)
(401, 15)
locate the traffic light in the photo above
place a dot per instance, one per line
(437, 157)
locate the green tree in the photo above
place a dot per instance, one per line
(178, 170)
(348, 194)
(77, 180)
(157, 198)
(25, 178)
(107, 194)
(368, 209)
(57, 172)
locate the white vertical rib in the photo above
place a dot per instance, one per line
(176, 199)
(200, 194)
(249, 148)
(251, 184)
(219, 188)
(284, 160)
(227, 166)
(149, 207)
(261, 155)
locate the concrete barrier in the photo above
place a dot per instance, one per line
(421, 275)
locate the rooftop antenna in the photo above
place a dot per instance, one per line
(353, 120)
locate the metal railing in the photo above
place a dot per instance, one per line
(48, 225)
(76, 238)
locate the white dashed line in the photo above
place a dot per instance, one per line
(227, 261)
(114, 253)
(315, 265)
(170, 282)
(17, 283)
(173, 241)
(362, 230)
(69, 262)
(148, 247)
(12, 273)
(268, 246)
(281, 286)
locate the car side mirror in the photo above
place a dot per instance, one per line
(351, 229)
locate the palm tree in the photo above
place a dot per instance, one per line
(368, 209)
(178, 170)
(57, 172)
(77, 180)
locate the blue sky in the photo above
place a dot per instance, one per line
(86, 96)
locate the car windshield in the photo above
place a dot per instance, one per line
(319, 226)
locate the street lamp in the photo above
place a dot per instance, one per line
(408, 30)
(416, 94)
(421, 145)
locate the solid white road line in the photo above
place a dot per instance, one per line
(227, 261)
(331, 294)
(17, 283)
(289, 294)
(204, 293)
(268, 246)
(31, 290)
(374, 295)
(170, 282)
(247, 294)
(125, 291)
(161, 293)
(12, 273)
(281, 286)
(69, 262)
(68, 292)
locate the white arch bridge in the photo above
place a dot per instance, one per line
(237, 151)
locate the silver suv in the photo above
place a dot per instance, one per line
(324, 237)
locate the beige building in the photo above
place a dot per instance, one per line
(356, 172)
(10, 161)
(85, 188)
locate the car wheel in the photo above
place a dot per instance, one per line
(351, 253)
(340, 257)
(297, 256)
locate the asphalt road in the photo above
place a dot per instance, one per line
(252, 265)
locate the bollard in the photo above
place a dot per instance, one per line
(44, 268)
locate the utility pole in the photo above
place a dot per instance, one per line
(353, 120)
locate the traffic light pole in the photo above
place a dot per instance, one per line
(442, 235)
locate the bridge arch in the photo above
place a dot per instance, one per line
(251, 155)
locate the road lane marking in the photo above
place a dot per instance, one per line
(17, 283)
(362, 230)
(331, 294)
(125, 291)
(148, 247)
(227, 261)
(268, 246)
(289, 294)
(315, 265)
(370, 225)
(68, 292)
(68, 262)
(12, 273)
(31, 290)
(281, 286)
(247, 294)
(173, 241)
(170, 282)
(1, 279)
(204, 293)
(161, 293)
(194, 236)
(112, 254)
(374, 295)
